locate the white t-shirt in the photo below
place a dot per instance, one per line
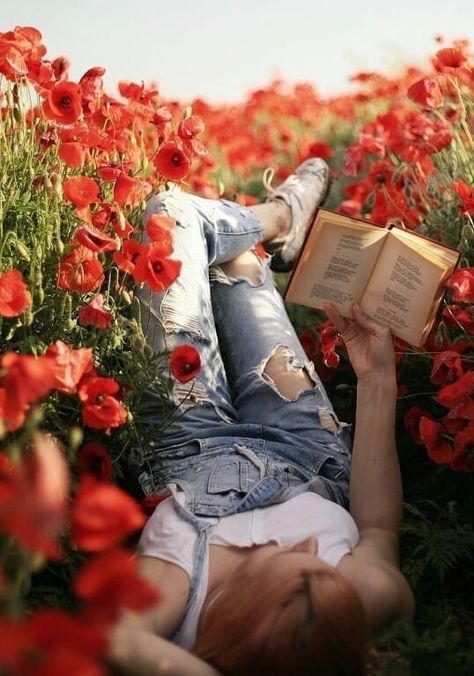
(169, 537)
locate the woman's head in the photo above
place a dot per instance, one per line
(285, 612)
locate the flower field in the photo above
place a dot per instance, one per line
(77, 166)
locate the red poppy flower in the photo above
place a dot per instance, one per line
(92, 84)
(25, 379)
(94, 239)
(93, 460)
(449, 57)
(69, 365)
(466, 195)
(14, 295)
(190, 127)
(433, 435)
(319, 149)
(101, 409)
(111, 581)
(103, 515)
(72, 154)
(155, 269)
(63, 104)
(127, 258)
(171, 162)
(426, 93)
(130, 191)
(185, 363)
(330, 340)
(12, 63)
(461, 285)
(158, 228)
(51, 643)
(463, 318)
(80, 271)
(35, 495)
(162, 116)
(60, 66)
(447, 367)
(412, 422)
(458, 392)
(81, 191)
(95, 314)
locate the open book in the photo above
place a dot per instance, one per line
(396, 275)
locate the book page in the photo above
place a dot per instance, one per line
(336, 264)
(402, 289)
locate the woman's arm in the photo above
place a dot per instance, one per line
(375, 487)
(135, 651)
(138, 643)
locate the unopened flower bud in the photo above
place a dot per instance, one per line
(28, 318)
(187, 112)
(76, 436)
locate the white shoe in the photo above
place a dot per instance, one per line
(303, 192)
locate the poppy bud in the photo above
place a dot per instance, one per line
(28, 318)
(69, 325)
(76, 436)
(22, 250)
(187, 112)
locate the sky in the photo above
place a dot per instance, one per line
(221, 50)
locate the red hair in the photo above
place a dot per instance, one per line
(282, 624)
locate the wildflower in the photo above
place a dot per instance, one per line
(63, 104)
(454, 315)
(466, 195)
(103, 515)
(111, 581)
(426, 93)
(34, 496)
(449, 58)
(458, 392)
(94, 239)
(412, 423)
(80, 271)
(100, 407)
(51, 643)
(95, 314)
(14, 295)
(171, 162)
(433, 435)
(93, 460)
(72, 154)
(461, 285)
(446, 367)
(81, 191)
(127, 258)
(25, 379)
(157, 224)
(130, 191)
(190, 127)
(154, 268)
(185, 363)
(69, 365)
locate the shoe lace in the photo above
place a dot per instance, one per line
(267, 178)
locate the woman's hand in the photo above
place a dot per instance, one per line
(369, 344)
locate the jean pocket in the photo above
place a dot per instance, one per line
(230, 476)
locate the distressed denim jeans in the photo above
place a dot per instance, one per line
(235, 442)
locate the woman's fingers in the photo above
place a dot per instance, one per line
(364, 321)
(333, 314)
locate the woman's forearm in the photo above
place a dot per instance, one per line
(375, 487)
(137, 652)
